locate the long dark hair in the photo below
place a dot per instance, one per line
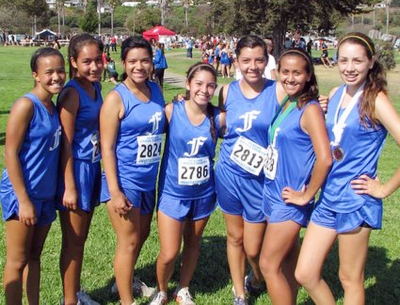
(76, 44)
(310, 90)
(375, 82)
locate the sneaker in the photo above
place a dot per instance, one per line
(140, 289)
(84, 299)
(183, 296)
(160, 298)
(239, 301)
(251, 286)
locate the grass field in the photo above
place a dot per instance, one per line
(211, 283)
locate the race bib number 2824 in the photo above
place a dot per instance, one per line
(149, 149)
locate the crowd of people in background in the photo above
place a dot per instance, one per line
(265, 192)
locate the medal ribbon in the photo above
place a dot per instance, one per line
(339, 125)
(279, 117)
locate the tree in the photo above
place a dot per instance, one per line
(37, 8)
(89, 21)
(23, 12)
(13, 19)
(276, 17)
(113, 4)
(60, 14)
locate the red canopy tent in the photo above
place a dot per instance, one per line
(156, 32)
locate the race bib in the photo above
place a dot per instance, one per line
(193, 171)
(271, 163)
(249, 155)
(95, 139)
(149, 149)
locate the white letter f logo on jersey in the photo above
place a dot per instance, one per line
(155, 119)
(248, 120)
(196, 143)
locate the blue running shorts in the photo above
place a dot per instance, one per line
(45, 210)
(144, 200)
(193, 209)
(87, 181)
(240, 196)
(281, 212)
(369, 214)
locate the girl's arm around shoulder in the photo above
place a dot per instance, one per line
(390, 119)
(313, 123)
(18, 123)
(222, 124)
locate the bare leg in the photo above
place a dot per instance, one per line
(353, 249)
(279, 242)
(192, 234)
(75, 228)
(253, 238)
(170, 233)
(32, 269)
(316, 244)
(127, 228)
(18, 242)
(235, 251)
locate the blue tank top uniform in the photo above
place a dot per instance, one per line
(361, 147)
(139, 141)
(188, 161)
(239, 178)
(39, 156)
(294, 166)
(224, 57)
(186, 182)
(249, 119)
(85, 148)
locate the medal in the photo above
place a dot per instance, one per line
(340, 123)
(338, 153)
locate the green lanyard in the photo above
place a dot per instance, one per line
(278, 118)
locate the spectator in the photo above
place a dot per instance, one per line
(270, 69)
(160, 64)
(189, 48)
(325, 56)
(113, 44)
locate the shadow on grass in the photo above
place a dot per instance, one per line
(212, 272)
(381, 277)
(2, 138)
(175, 81)
(211, 275)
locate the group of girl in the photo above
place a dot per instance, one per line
(276, 154)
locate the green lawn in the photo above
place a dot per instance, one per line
(211, 283)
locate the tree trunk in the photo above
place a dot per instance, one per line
(279, 35)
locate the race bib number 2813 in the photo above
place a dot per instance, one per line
(249, 155)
